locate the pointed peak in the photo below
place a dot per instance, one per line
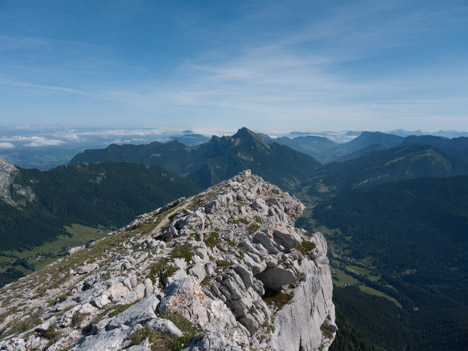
(247, 136)
(243, 132)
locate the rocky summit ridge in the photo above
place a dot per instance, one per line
(223, 270)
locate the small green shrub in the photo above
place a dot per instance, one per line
(253, 227)
(65, 296)
(212, 239)
(253, 310)
(160, 269)
(138, 336)
(51, 333)
(269, 328)
(183, 251)
(238, 221)
(276, 299)
(185, 327)
(306, 246)
(170, 270)
(223, 263)
(155, 270)
(326, 333)
(78, 318)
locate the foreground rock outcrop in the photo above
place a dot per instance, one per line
(223, 270)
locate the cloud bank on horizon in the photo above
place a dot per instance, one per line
(267, 65)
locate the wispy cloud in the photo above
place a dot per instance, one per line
(6, 146)
(32, 141)
(50, 88)
(40, 142)
(16, 43)
(296, 77)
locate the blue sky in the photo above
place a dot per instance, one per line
(268, 65)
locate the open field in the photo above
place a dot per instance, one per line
(50, 251)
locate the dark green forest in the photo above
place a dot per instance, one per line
(416, 235)
(110, 195)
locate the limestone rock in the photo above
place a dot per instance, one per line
(140, 312)
(206, 261)
(186, 297)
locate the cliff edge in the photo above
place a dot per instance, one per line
(223, 270)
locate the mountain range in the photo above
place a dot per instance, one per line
(384, 166)
(216, 160)
(325, 150)
(377, 158)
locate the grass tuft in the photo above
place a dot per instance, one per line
(212, 240)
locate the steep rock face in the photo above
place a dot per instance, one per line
(223, 270)
(11, 193)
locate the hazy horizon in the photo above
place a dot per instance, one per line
(38, 137)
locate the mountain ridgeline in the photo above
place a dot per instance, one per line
(389, 165)
(325, 150)
(370, 159)
(216, 160)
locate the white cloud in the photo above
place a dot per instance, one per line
(45, 142)
(33, 141)
(6, 146)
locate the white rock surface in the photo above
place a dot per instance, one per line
(217, 260)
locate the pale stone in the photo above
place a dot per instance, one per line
(139, 312)
(148, 287)
(222, 295)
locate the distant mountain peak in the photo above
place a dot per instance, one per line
(244, 132)
(245, 135)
